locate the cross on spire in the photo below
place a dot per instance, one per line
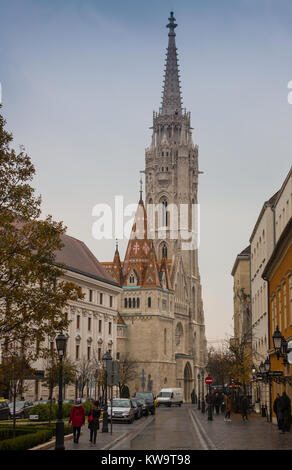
(171, 25)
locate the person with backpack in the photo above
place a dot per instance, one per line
(77, 418)
(93, 422)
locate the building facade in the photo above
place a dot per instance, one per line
(93, 320)
(262, 243)
(241, 296)
(278, 275)
(166, 334)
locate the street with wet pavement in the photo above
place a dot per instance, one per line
(187, 428)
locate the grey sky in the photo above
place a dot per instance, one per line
(81, 79)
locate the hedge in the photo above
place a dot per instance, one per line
(27, 441)
(30, 437)
(44, 410)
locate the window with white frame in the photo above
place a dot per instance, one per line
(285, 304)
(280, 309)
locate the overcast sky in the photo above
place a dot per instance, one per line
(80, 80)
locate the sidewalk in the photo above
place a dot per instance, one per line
(103, 440)
(255, 434)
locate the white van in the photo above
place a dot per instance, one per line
(170, 396)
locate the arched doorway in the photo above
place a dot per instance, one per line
(187, 382)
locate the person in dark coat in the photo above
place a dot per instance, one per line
(244, 407)
(285, 405)
(276, 408)
(77, 418)
(217, 403)
(94, 422)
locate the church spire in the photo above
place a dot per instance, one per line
(171, 99)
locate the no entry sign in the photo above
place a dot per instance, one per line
(208, 380)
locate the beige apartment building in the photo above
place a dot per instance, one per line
(93, 327)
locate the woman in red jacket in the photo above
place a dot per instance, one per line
(77, 418)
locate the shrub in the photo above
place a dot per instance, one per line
(27, 441)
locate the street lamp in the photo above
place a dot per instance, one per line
(199, 387)
(281, 346)
(105, 358)
(210, 405)
(267, 365)
(203, 398)
(262, 367)
(61, 342)
(277, 340)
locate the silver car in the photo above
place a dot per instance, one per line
(123, 410)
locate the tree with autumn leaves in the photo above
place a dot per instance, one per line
(33, 294)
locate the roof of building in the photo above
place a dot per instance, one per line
(279, 193)
(244, 255)
(269, 203)
(140, 258)
(76, 257)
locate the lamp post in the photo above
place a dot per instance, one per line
(199, 392)
(61, 342)
(203, 397)
(210, 404)
(106, 357)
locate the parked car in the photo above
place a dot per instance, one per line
(138, 408)
(4, 410)
(149, 397)
(41, 402)
(123, 410)
(145, 406)
(170, 396)
(22, 409)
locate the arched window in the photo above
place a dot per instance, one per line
(130, 303)
(149, 302)
(164, 250)
(138, 303)
(178, 333)
(164, 213)
(126, 303)
(132, 278)
(134, 303)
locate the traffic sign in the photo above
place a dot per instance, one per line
(208, 380)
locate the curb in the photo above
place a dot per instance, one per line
(51, 443)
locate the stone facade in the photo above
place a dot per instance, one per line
(166, 334)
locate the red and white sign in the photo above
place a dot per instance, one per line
(208, 380)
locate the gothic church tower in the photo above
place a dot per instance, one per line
(161, 320)
(171, 173)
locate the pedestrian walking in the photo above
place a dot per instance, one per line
(285, 409)
(276, 408)
(217, 403)
(77, 418)
(227, 401)
(93, 422)
(244, 407)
